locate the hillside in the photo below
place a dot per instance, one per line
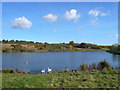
(29, 46)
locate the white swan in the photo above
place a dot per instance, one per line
(49, 70)
(43, 71)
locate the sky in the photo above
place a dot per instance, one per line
(60, 0)
(58, 22)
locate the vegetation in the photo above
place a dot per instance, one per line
(79, 79)
(87, 77)
(103, 64)
(30, 46)
(115, 49)
(13, 71)
(8, 71)
(84, 67)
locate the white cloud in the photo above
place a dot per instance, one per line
(103, 14)
(21, 23)
(94, 21)
(94, 13)
(50, 17)
(72, 15)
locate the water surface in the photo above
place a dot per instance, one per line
(55, 60)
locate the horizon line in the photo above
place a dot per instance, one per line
(66, 42)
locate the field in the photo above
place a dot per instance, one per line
(64, 79)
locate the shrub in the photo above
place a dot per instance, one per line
(84, 67)
(7, 50)
(8, 71)
(103, 64)
(18, 71)
(93, 66)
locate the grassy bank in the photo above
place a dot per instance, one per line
(92, 76)
(68, 79)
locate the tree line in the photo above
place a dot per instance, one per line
(30, 46)
(115, 49)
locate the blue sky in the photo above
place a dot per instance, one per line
(61, 22)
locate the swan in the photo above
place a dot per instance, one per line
(43, 71)
(49, 70)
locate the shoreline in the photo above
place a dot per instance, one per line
(96, 76)
(55, 51)
(83, 67)
(16, 71)
(116, 53)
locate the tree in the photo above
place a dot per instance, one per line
(83, 45)
(3, 40)
(45, 43)
(11, 41)
(71, 43)
(16, 41)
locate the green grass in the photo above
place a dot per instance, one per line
(68, 79)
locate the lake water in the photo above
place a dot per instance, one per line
(55, 60)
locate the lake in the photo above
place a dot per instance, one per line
(55, 60)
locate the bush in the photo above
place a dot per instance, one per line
(7, 50)
(84, 67)
(93, 66)
(103, 64)
(8, 71)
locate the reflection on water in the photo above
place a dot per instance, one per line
(55, 60)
